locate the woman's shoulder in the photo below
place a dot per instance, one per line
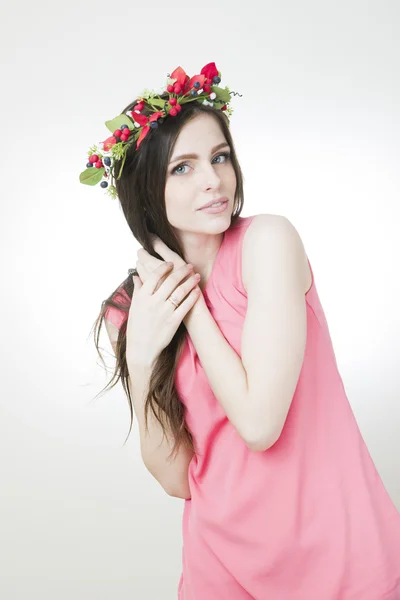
(268, 222)
(245, 221)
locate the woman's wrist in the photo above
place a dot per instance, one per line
(196, 309)
(140, 361)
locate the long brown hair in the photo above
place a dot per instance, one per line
(141, 191)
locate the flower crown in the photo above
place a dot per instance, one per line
(132, 127)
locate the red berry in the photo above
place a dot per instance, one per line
(99, 164)
(94, 158)
(170, 88)
(172, 101)
(124, 137)
(173, 112)
(178, 108)
(177, 88)
(224, 107)
(117, 133)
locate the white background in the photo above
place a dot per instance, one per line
(317, 132)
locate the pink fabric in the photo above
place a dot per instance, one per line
(308, 519)
(116, 316)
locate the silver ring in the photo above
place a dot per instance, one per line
(174, 301)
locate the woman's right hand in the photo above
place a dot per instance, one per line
(153, 319)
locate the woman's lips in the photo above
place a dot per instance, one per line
(215, 209)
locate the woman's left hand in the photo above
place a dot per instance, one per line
(146, 263)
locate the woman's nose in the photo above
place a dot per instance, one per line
(209, 177)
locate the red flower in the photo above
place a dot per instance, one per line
(143, 120)
(142, 135)
(200, 78)
(210, 71)
(156, 115)
(139, 118)
(109, 142)
(206, 76)
(185, 81)
(180, 76)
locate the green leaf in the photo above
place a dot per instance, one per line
(186, 99)
(91, 176)
(222, 94)
(118, 121)
(157, 102)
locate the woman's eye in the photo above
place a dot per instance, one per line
(178, 167)
(225, 155)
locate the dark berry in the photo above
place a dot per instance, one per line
(104, 184)
(154, 125)
(196, 85)
(124, 127)
(216, 79)
(107, 161)
(193, 93)
(89, 165)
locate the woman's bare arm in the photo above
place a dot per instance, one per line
(172, 474)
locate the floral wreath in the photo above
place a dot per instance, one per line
(132, 127)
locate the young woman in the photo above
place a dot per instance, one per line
(247, 416)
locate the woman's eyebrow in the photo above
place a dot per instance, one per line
(181, 156)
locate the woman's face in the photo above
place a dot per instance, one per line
(192, 182)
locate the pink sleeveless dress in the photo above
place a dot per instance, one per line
(309, 518)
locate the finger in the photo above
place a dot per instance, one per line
(151, 262)
(145, 268)
(173, 280)
(154, 277)
(182, 290)
(142, 254)
(164, 251)
(181, 311)
(137, 284)
(141, 270)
